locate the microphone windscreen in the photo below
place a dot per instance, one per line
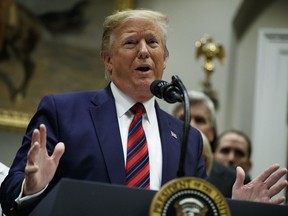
(157, 87)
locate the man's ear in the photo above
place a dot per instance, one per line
(249, 165)
(165, 62)
(107, 61)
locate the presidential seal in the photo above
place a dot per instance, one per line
(189, 196)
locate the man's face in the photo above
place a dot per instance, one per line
(200, 119)
(137, 57)
(232, 151)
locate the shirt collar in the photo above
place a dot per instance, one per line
(124, 103)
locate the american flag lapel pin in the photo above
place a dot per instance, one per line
(173, 135)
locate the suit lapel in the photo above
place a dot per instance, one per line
(106, 125)
(111, 145)
(171, 144)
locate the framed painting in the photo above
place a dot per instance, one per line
(52, 47)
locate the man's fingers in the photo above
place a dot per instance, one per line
(278, 200)
(267, 173)
(35, 136)
(43, 135)
(39, 135)
(31, 166)
(32, 153)
(58, 151)
(275, 177)
(277, 188)
(240, 177)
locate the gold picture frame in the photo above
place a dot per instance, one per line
(62, 64)
(14, 120)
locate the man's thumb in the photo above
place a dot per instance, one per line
(240, 177)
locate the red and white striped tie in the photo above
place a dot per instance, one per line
(137, 164)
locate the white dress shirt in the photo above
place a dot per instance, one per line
(150, 124)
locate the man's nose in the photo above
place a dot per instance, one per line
(193, 123)
(231, 157)
(143, 50)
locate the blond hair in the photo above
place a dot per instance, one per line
(117, 19)
(207, 154)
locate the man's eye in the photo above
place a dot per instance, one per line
(200, 120)
(152, 42)
(225, 150)
(130, 43)
(239, 153)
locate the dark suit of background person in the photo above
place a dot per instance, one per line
(87, 123)
(223, 178)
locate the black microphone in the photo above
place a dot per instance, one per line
(167, 91)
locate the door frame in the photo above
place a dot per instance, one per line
(269, 135)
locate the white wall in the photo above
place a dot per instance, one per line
(9, 144)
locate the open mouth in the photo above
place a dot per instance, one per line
(143, 69)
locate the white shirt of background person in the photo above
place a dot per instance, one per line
(3, 173)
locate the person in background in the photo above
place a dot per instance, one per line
(203, 117)
(84, 135)
(234, 148)
(202, 113)
(3, 173)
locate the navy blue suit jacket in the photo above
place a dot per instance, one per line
(87, 124)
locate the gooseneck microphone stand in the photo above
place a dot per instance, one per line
(186, 126)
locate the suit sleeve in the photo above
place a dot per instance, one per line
(11, 186)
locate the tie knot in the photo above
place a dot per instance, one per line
(138, 108)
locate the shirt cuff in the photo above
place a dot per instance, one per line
(26, 200)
